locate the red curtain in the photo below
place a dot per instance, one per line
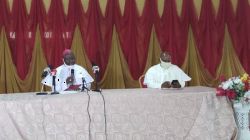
(1, 14)
(134, 31)
(21, 29)
(134, 34)
(239, 28)
(97, 31)
(56, 29)
(172, 30)
(209, 29)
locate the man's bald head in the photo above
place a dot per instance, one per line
(69, 57)
(165, 56)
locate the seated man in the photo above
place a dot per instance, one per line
(69, 76)
(165, 74)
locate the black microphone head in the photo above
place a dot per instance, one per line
(72, 71)
(83, 81)
(44, 74)
(93, 64)
(95, 68)
(53, 80)
(50, 66)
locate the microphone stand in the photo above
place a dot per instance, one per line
(42, 93)
(104, 104)
(96, 83)
(96, 72)
(54, 85)
(83, 85)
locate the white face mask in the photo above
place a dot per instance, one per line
(165, 65)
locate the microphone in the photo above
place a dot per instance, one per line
(53, 74)
(46, 71)
(72, 71)
(96, 70)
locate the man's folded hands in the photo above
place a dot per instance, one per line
(173, 84)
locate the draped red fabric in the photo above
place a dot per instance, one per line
(134, 31)
(57, 29)
(1, 14)
(134, 34)
(97, 32)
(172, 30)
(20, 29)
(238, 24)
(209, 33)
(10, 23)
(71, 20)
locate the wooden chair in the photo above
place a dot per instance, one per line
(141, 80)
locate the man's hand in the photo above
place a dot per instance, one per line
(166, 84)
(175, 84)
(70, 80)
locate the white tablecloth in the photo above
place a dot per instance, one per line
(192, 113)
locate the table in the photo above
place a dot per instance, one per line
(192, 113)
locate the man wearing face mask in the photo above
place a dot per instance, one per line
(165, 74)
(69, 76)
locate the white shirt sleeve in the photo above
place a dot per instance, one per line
(83, 74)
(151, 79)
(182, 83)
(47, 80)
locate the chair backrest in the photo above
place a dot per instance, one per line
(141, 80)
